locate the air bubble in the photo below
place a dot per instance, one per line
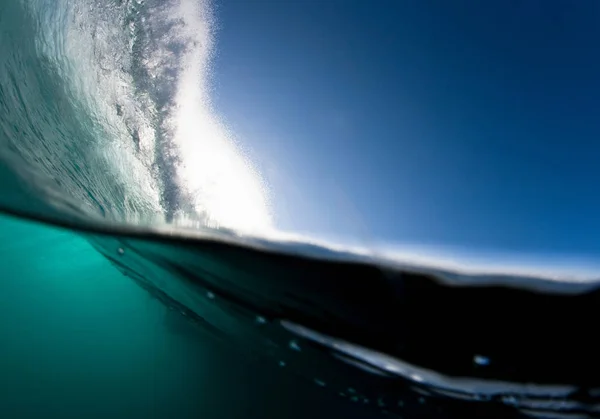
(121, 251)
(294, 345)
(282, 363)
(210, 295)
(421, 400)
(319, 382)
(260, 320)
(354, 398)
(481, 360)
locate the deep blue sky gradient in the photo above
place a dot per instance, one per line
(466, 123)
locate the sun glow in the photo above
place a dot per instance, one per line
(223, 184)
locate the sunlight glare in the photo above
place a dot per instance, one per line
(223, 184)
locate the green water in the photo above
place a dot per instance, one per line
(80, 340)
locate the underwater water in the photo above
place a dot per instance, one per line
(80, 340)
(157, 286)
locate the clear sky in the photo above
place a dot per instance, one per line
(466, 123)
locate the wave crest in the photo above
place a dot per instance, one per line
(115, 95)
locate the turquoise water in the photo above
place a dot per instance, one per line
(158, 286)
(81, 340)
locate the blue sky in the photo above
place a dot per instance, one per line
(466, 123)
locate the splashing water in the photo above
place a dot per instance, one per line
(135, 81)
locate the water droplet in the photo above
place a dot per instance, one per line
(319, 382)
(210, 295)
(121, 251)
(282, 363)
(260, 320)
(481, 360)
(294, 345)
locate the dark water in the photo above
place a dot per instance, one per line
(156, 287)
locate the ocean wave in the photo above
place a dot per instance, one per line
(106, 103)
(107, 128)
